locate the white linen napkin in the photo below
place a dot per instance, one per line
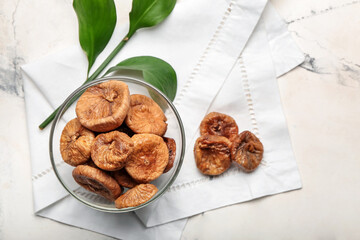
(250, 95)
(203, 43)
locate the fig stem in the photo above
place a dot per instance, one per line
(91, 78)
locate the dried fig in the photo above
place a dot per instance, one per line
(124, 179)
(171, 144)
(111, 150)
(75, 143)
(136, 196)
(148, 159)
(219, 124)
(145, 116)
(97, 181)
(247, 151)
(103, 107)
(212, 154)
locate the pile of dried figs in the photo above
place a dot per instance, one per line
(117, 141)
(220, 144)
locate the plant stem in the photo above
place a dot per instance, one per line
(107, 60)
(91, 78)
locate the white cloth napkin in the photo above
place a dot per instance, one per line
(203, 42)
(250, 95)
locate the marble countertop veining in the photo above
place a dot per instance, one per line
(321, 100)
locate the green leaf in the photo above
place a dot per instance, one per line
(155, 71)
(148, 13)
(97, 19)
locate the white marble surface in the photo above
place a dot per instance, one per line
(321, 101)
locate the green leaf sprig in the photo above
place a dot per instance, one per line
(155, 71)
(97, 20)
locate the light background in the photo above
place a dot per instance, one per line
(321, 101)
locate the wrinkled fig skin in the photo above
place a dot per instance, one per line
(219, 124)
(75, 143)
(111, 150)
(124, 179)
(136, 196)
(103, 107)
(212, 154)
(149, 158)
(145, 116)
(171, 144)
(97, 181)
(247, 151)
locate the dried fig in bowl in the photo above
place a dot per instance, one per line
(124, 179)
(219, 124)
(103, 107)
(149, 158)
(136, 196)
(75, 143)
(212, 154)
(111, 150)
(247, 151)
(171, 144)
(145, 116)
(97, 181)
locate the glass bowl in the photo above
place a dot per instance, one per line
(63, 171)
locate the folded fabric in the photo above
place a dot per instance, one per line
(250, 95)
(203, 42)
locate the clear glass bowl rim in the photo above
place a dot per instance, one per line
(79, 90)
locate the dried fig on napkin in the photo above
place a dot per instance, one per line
(124, 179)
(219, 124)
(111, 150)
(136, 196)
(75, 143)
(247, 151)
(212, 154)
(103, 107)
(171, 144)
(148, 159)
(145, 116)
(97, 181)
